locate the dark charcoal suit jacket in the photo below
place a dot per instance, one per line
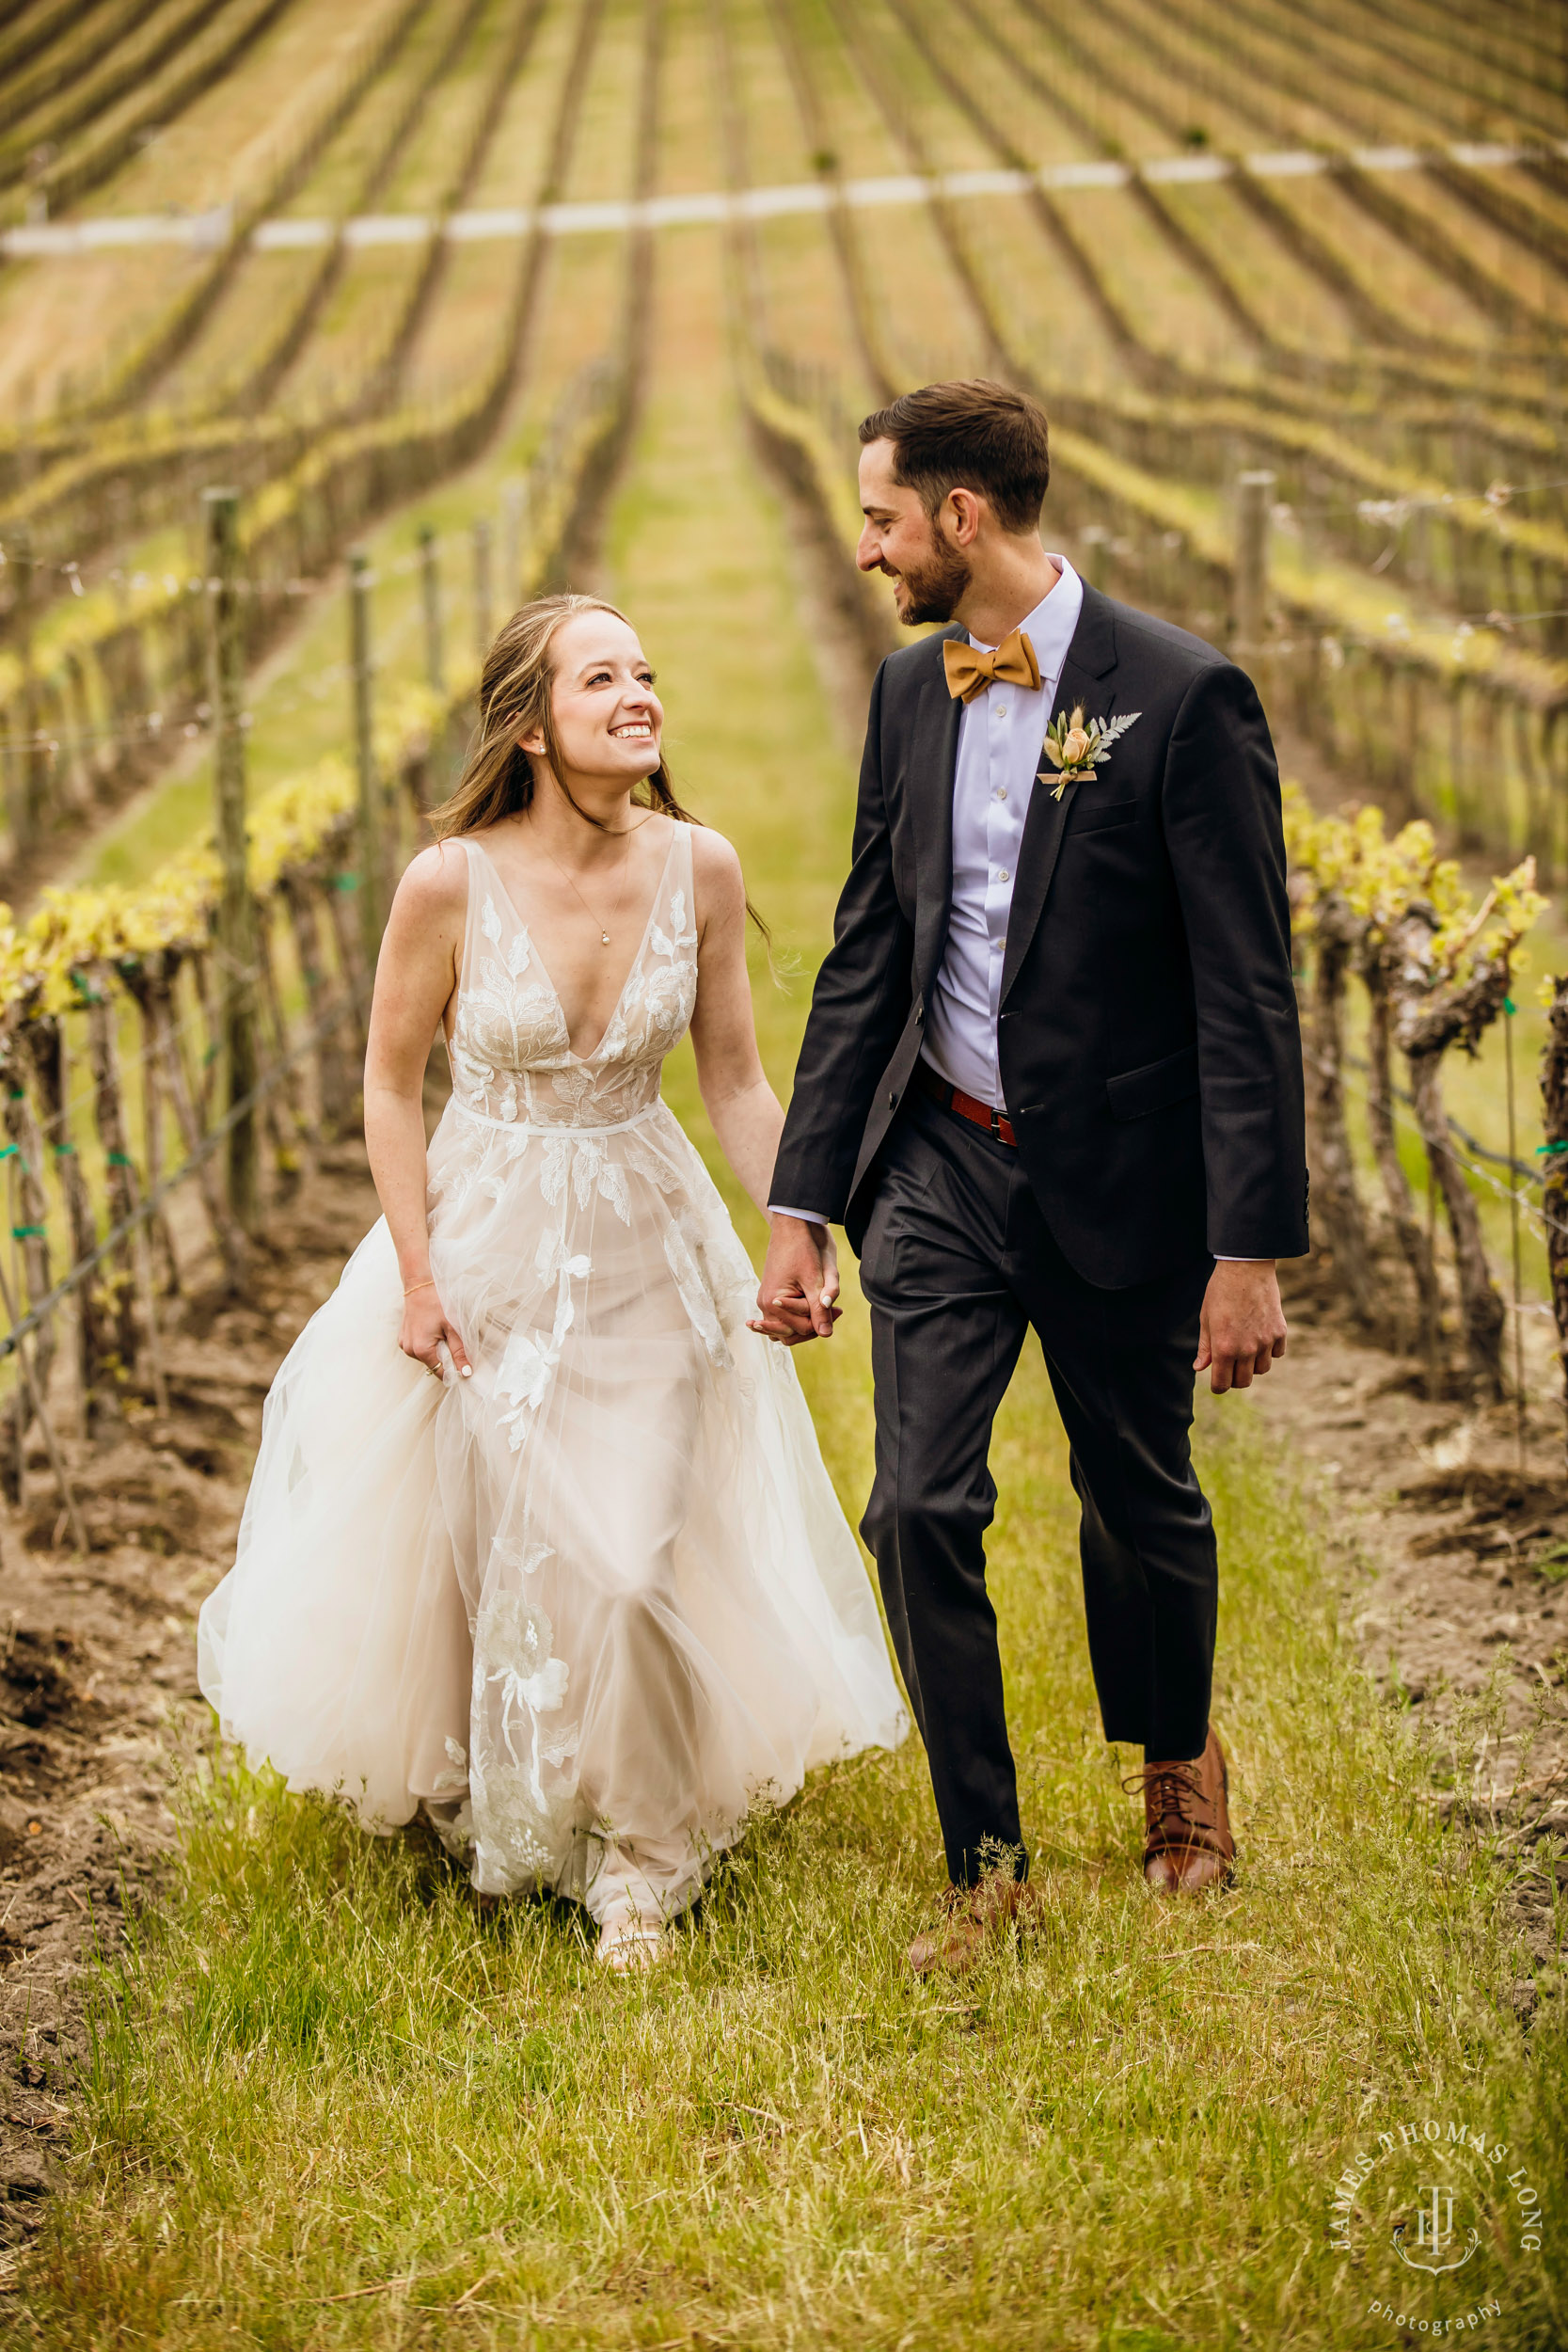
(1148, 1042)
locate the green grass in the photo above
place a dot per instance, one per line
(330, 2103)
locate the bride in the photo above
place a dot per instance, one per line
(539, 1536)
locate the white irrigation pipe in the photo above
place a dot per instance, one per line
(208, 231)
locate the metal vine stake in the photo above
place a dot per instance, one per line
(1514, 1229)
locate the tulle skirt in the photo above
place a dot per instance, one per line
(591, 1607)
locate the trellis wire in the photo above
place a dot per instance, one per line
(118, 1234)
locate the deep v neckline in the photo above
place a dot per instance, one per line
(632, 968)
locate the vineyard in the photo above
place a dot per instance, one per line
(326, 335)
(392, 282)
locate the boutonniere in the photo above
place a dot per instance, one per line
(1078, 747)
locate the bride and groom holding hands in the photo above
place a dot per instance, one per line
(586, 1596)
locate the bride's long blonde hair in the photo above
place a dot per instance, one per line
(514, 700)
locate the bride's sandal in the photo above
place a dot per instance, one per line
(631, 1947)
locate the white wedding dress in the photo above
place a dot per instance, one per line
(592, 1605)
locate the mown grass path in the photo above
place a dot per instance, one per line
(334, 2105)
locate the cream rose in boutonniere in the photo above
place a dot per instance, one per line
(1078, 746)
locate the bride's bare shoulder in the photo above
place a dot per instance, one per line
(435, 882)
(718, 883)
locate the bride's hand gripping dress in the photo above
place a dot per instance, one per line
(592, 1603)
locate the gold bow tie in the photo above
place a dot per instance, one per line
(969, 670)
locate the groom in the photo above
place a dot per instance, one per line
(1051, 1076)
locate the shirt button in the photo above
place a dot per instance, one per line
(1001, 791)
(1001, 873)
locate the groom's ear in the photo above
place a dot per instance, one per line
(959, 514)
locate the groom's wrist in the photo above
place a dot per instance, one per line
(803, 1216)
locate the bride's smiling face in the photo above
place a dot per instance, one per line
(607, 718)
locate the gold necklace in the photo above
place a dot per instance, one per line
(615, 914)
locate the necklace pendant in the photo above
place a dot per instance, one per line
(604, 937)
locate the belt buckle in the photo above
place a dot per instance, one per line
(996, 1123)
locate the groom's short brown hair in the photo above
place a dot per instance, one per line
(973, 434)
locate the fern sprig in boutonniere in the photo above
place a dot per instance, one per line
(1077, 747)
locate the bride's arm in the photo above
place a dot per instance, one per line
(748, 1118)
(415, 975)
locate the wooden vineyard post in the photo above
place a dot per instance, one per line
(1514, 1233)
(1372, 963)
(430, 596)
(1254, 498)
(236, 924)
(514, 506)
(1553, 1120)
(151, 981)
(1334, 1189)
(31, 1381)
(286, 1115)
(43, 1036)
(120, 1186)
(31, 766)
(160, 1238)
(334, 1086)
(483, 599)
(1431, 1017)
(364, 748)
(31, 1228)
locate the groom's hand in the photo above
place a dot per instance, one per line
(1241, 1328)
(797, 1296)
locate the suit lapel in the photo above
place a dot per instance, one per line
(933, 769)
(1087, 679)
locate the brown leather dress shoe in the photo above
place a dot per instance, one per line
(1187, 1840)
(972, 1915)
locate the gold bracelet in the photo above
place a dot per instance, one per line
(428, 1284)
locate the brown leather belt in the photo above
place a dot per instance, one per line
(967, 1105)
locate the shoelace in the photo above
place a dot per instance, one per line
(1173, 1788)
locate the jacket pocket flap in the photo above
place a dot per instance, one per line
(1101, 814)
(1134, 1094)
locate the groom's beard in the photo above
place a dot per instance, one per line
(932, 590)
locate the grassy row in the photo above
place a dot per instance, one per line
(207, 47)
(269, 300)
(351, 359)
(41, 27)
(31, 85)
(88, 73)
(1153, 60)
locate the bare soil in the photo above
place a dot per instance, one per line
(98, 1706)
(1461, 1533)
(1451, 1521)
